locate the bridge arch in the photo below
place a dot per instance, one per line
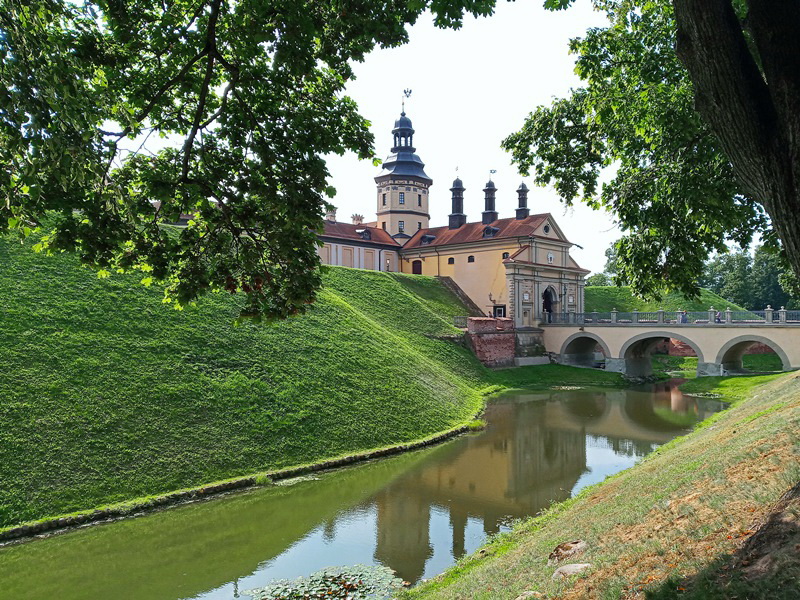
(578, 349)
(730, 355)
(637, 350)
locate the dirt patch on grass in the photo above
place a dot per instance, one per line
(682, 535)
(775, 542)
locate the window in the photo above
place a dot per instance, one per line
(550, 258)
(383, 225)
(499, 310)
(470, 259)
(401, 225)
(419, 225)
(505, 255)
(384, 199)
(408, 189)
(451, 261)
(416, 267)
(402, 198)
(547, 228)
(419, 199)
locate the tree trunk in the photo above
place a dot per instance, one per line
(751, 103)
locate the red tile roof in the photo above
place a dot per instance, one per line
(347, 231)
(473, 232)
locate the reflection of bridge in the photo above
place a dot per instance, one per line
(627, 339)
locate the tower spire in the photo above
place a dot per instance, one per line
(406, 94)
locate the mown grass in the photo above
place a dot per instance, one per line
(107, 394)
(664, 526)
(606, 298)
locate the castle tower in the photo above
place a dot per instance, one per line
(403, 186)
(489, 214)
(457, 216)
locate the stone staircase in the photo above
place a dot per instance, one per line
(474, 309)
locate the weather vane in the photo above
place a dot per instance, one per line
(406, 94)
(492, 172)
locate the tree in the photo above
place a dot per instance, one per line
(245, 96)
(730, 276)
(598, 279)
(749, 280)
(705, 139)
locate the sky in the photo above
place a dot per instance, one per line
(470, 89)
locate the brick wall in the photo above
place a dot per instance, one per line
(492, 340)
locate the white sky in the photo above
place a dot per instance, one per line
(471, 88)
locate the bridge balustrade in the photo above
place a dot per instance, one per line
(702, 317)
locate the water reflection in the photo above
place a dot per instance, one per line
(415, 513)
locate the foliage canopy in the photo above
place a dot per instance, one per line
(246, 97)
(704, 140)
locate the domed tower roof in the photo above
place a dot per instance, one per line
(403, 161)
(402, 123)
(457, 184)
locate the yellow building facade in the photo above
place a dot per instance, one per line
(518, 266)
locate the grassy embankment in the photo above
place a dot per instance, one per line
(603, 298)
(107, 394)
(683, 523)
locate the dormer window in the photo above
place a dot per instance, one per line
(426, 239)
(490, 231)
(364, 233)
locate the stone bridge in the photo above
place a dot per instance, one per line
(626, 340)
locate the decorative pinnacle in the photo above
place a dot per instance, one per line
(406, 94)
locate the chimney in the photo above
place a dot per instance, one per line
(330, 214)
(490, 214)
(457, 217)
(523, 211)
(357, 219)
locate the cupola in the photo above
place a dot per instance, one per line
(457, 216)
(522, 210)
(489, 213)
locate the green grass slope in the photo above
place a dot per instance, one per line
(107, 394)
(605, 298)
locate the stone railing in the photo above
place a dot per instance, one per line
(460, 321)
(713, 317)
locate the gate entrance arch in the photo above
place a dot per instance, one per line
(636, 352)
(731, 353)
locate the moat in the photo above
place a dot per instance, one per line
(416, 513)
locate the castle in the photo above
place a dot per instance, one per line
(518, 266)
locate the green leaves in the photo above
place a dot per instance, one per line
(671, 188)
(120, 119)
